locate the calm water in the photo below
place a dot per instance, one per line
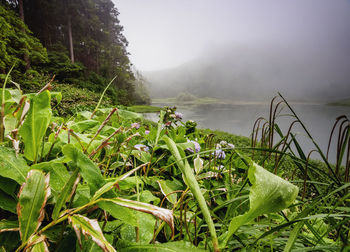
(239, 119)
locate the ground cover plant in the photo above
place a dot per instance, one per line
(127, 185)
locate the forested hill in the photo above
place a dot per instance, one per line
(79, 41)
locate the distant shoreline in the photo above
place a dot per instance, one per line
(208, 100)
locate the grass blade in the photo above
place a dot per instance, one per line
(194, 187)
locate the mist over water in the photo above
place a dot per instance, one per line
(240, 51)
(257, 71)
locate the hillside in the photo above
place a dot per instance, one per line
(254, 72)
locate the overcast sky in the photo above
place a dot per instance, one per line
(167, 33)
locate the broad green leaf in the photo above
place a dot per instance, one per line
(166, 190)
(126, 215)
(58, 175)
(82, 195)
(145, 224)
(192, 183)
(84, 115)
(269, 193)
(7, 225)
(161, 213)
(143, 156)
(88, 170)
(16, 95)
(66, 193)
(108, 186)
(91, 228)
(35, 124)
(32, 199)
(125, 114)
(147, 197)
(178, 246)
(84, 125)
(10, 123)
(146, 227)
(8, 186)
(7, 202)
(8, 101)
(11, 166)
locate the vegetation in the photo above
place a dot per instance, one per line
(79, 42)
(130, 186)
(144, 109)
(345, 102)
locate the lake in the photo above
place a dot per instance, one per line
(239, 119)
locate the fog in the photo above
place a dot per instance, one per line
(242, 49)
(257, 72)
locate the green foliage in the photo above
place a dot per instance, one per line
(34, 126)
(16, 41)
(185, 97)
(129, 185)
(144, 109)
(99, 48)
(78, 99)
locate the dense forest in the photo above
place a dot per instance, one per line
(79, 42)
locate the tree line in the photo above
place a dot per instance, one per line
(81, 42)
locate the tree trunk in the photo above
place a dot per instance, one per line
(21, 15)
(70, 37)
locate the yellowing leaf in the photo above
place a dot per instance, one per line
(32, 199)
(161, 213)
(91, 228)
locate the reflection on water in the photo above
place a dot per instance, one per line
(239, 119)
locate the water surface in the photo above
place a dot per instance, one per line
(239, 119)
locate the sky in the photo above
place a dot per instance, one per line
(167, 33)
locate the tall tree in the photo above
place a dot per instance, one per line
(21, 15)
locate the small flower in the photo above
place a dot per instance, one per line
(135, 125)
(221, 167)
(141, 147)
(197, 147)
(147, 132)
(220, 154)
(232, 146)
(223, 143)
(178, 116)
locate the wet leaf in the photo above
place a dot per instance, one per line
(32, 199)
(269, 193)
(84, 125)
(161, 213)
(88, 170)
(58, 175)
(7, 225)
(7, 202)
(89, 228)
(66, 193)
(12, 167)
(35, 124)
(166, 189)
